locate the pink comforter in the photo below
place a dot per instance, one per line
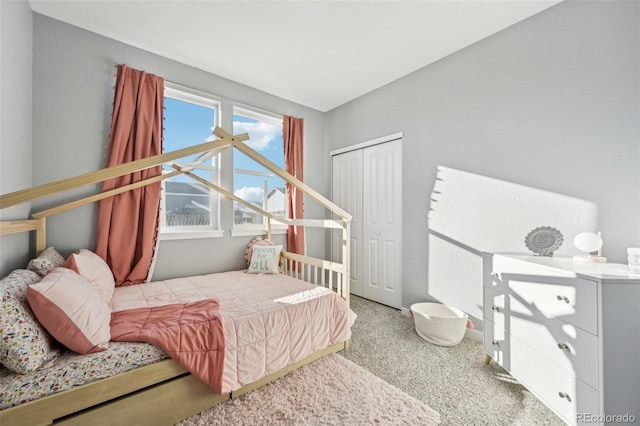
(190, 333)
(268, 321)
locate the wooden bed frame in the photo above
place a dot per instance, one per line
(164, 392)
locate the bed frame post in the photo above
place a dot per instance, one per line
(268, 227)
(346, 259)
(41, 235)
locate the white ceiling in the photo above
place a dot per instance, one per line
(321, 54)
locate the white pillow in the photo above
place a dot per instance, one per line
(71, 309)
(265, 260)
(95, 270)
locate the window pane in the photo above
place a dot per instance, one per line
(251, 181)
(186, 124)
(188, 203)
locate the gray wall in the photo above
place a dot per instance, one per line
(551, 103)
(73, 74)
(16, 28)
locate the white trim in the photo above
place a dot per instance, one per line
(192, 96)
(239, 232)
(366, 144)
(318, 223)
(257, 114)
(475, 335)
(190, 235)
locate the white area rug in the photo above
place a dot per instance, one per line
(329, 391)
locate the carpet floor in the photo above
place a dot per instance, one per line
(454, 380)
(329, 391)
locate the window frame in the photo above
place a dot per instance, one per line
(214, 230)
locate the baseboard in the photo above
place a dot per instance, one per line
(476, 335)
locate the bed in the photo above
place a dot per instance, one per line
(272, 323)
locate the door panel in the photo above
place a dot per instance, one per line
(367, 183)
(347, 194)
(382, 224)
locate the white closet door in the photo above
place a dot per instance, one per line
(347, 193)
(382, 223)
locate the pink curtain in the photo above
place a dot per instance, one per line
(128, 222)
(292, 134)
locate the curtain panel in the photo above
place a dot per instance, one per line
(292, 134)
(128, 223)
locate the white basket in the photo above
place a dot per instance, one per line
(439, 324)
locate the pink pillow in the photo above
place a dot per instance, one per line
(71, 309)
(95, 270)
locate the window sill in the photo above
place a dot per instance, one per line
(190, 235)
(239, 232)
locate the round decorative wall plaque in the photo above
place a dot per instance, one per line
(543, 240)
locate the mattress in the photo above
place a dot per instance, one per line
(70, 370)
(269, 320)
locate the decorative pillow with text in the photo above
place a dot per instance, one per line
(265, 260)
(255, 242)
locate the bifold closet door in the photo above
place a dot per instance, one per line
(347, 193)
(382, 223)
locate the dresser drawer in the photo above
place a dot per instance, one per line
(572, 300)
(539, 292)
(558, 388)
(569, 347)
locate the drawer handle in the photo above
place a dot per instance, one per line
(565, 298)
(564, 395)
(495, 308)
(564, 347)
(495, 343)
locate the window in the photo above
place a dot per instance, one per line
(251, 181)
(188, 205)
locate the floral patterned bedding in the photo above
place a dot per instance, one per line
(70, 370)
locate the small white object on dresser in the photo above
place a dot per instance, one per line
(569, 332)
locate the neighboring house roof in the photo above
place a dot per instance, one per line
(186, 188)
(276, 191)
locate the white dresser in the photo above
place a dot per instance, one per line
(569, 332)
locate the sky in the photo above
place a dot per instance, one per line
(187, 124)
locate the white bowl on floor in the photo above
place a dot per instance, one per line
(439, 324)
